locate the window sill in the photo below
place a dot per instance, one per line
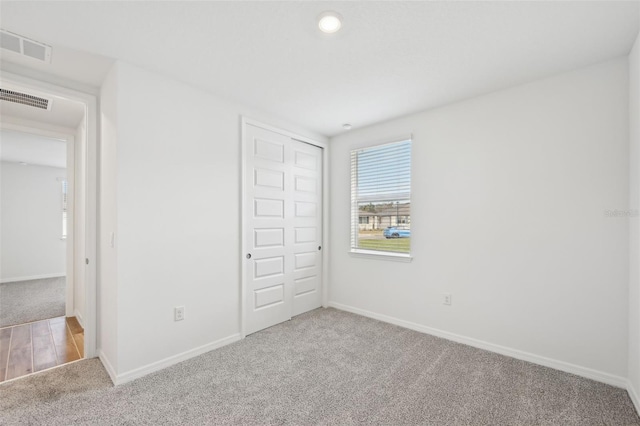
(371, 254)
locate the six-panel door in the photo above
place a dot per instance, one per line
(283, 228)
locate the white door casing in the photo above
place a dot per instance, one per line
(282, 227)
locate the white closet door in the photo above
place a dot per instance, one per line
(282, 228)
(307, 227)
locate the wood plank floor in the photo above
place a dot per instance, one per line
(39, 345)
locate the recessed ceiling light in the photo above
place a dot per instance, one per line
(329, 22)
(22, 163)
(346, 126)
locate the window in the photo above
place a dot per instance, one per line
(64, 209)
(381, 199)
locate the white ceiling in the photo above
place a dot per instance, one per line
(390, 59)
(35, 150)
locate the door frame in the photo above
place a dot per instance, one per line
(91, 138)
(244, 122)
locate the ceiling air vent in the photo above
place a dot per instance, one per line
(25, 99)
(25, 47)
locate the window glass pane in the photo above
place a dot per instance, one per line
(380, 193)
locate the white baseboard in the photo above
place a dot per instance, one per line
(167, 362)
(635, 397)
(76, 314)
(32, 277)
(589, 373)
(107, 366)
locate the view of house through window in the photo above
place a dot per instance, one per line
(381, 198)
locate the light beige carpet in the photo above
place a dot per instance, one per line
(28, 301)
(325, 367)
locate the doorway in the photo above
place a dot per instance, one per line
(283, 212)
(36, 178)
(47, 293)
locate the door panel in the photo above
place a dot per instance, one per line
(283, 228)
(307, 227)
(305, 235)
(269, 178)
(269, 296)
(306, 209)
(269, 266)
(268, 208)
(268, 282)
(272, 237)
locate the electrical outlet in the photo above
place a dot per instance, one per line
(446, 300)
(178, 313)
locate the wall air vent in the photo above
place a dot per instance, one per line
(25, 99)
(24, 46)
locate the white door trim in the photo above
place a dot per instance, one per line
(91, 129)
(72, 256)
(325, 210)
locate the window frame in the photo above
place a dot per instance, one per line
(354, 251)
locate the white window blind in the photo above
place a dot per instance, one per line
(381, 198)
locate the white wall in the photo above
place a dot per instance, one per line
(508, 215)
(107, 291)
(175, 208)
(31, 231)
(634, 242)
